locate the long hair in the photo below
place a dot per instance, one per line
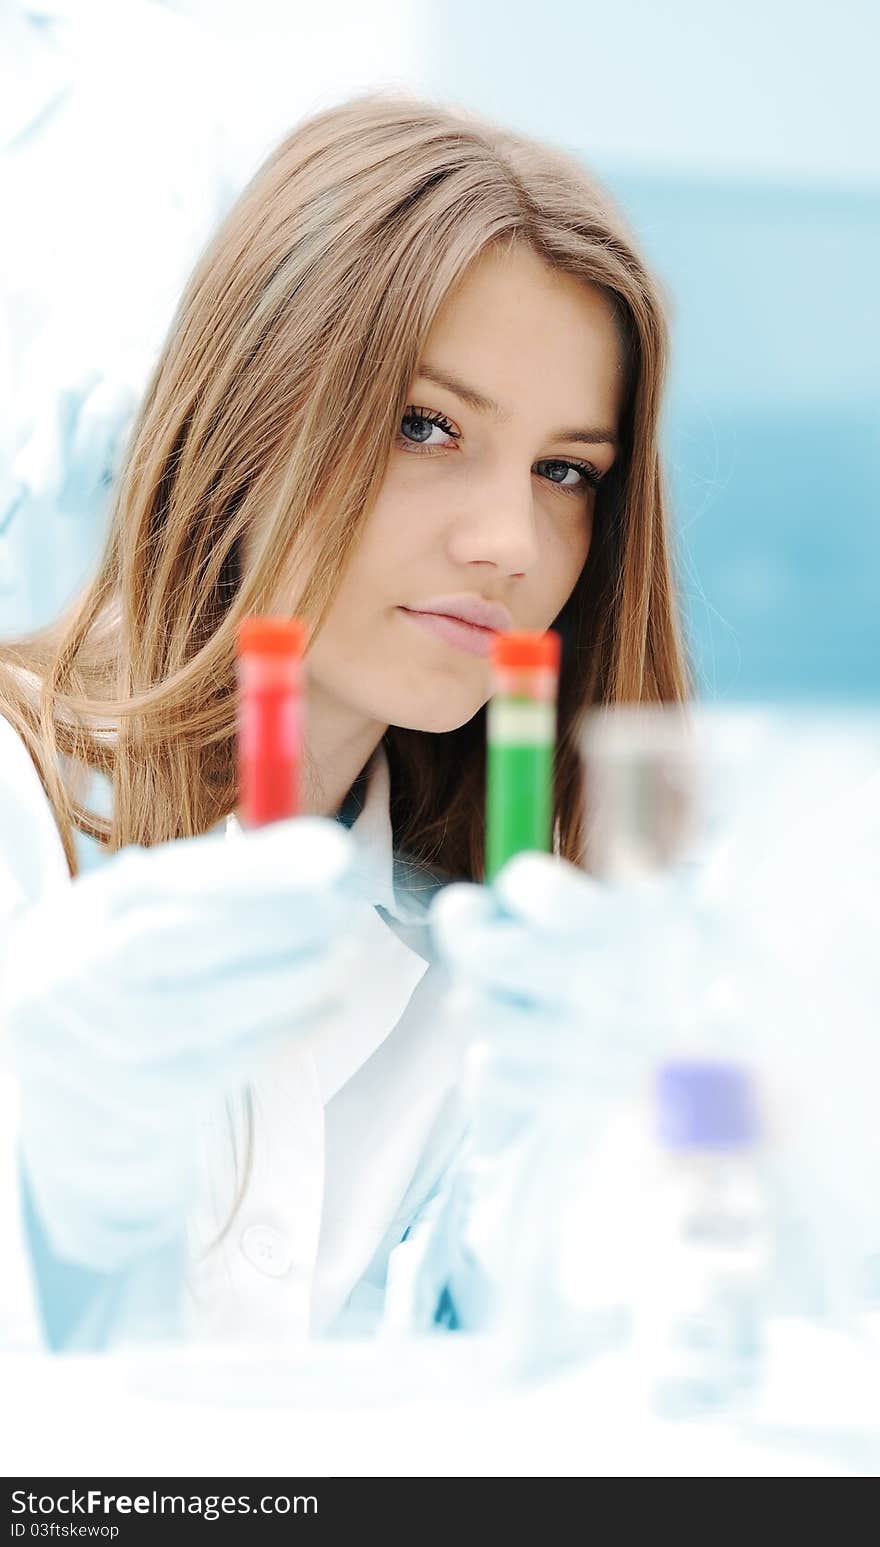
(270, 417)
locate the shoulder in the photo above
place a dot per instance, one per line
(31, 852)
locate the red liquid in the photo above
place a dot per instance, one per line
(269, 758)
(269, 738)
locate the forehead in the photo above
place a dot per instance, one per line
(542, 342)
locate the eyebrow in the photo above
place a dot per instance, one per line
(487, 405)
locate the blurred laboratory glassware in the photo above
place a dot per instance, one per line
(700, 1300)
(526, 1210)
(698, 960)
(564, 1034)
(640, 787)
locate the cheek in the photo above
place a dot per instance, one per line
(582, 547)
(391, 538)
(354, 633)
(570, 552)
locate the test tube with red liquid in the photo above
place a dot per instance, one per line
(270, 718)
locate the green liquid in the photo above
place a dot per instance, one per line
(519, 800)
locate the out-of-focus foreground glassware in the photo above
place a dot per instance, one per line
(738, 852)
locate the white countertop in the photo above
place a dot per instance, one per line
(433, 1408)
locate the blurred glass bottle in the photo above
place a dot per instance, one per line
(571, 1296)
(534, 1226)
(700, 1297)
(658, 786)
(526, 1244)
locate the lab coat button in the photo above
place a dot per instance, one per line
(266, 1250)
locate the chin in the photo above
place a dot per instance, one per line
(435, 719)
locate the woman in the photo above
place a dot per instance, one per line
(416, 377)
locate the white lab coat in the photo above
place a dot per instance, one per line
(355, 1124)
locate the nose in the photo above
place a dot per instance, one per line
(495, 524)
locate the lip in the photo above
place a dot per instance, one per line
(469, 637)
(468, 609)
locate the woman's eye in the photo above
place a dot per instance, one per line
(418, 425)
(572, 477)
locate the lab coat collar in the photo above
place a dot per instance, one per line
(375, 841)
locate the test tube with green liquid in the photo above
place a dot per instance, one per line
(521, 741)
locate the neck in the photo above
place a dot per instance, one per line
(338, 744)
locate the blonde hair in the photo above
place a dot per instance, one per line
(271, 413)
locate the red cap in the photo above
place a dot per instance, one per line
(272, 636)
(526, 650)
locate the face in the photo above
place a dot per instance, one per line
(488, 497)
